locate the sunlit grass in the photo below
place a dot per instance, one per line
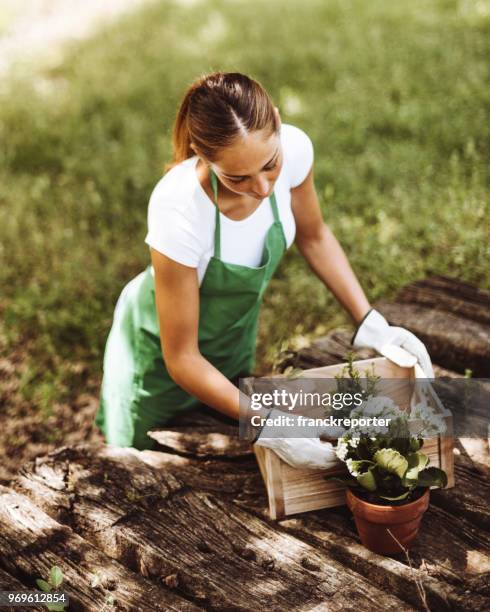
(394, 96)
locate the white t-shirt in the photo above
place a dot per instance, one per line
(181, 216)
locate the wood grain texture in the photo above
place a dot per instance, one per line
(330, 349)
(451, 555)
(32, 542)
(451, 317)
(455, 342)
(206, 549)
(271, 468)
(450, 295)
(211, 435)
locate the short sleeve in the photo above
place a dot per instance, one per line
(171, 233)
(299, 154)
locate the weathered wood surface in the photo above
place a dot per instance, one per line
(186, 527)
(450, 295)
(452, 318)
(203, 546)
(209, 541)
(203, 435)
(198, 527)
(32, 542)
(9, 583)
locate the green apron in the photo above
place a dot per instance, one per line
(137, 392)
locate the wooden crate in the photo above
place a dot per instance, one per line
(292, 490)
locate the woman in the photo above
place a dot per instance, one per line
(239, 191)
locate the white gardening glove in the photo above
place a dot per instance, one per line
(395, 343)
(305, 453)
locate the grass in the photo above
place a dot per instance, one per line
(394, 95)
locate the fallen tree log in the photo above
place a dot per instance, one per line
(32, 542)
(450, 556)
(446, 559)
(454, 342)
(241, 480)
(452, 318)
(187, 524)
(450, 295)
(207, 549)
(334, 348)
(326, 350)
(470, 498)
(203, 434)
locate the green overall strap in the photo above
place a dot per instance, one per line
(217, 230)
(275, 211)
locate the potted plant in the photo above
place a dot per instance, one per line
(388, 474)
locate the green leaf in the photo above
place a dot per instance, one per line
(402, 496)
(415, 444)
(56, 607)
(110, 600)
(391, 461)
(358, 464)
(432, 477)
(43, 585)
(367, 480)
(294, 373)
(416, 463)
(350, 481)
(55, 576)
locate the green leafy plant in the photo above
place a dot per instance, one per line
(55, 580)
(384, 460)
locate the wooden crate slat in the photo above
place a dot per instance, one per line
(333, 499)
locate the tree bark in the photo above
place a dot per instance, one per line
(208, 550)
(450, 295)
(454, 342)
(452, 318)
(32, 542)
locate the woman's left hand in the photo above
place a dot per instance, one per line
(395, 343)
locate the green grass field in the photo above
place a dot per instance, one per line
(395, 96)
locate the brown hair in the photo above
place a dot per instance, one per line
(216, 109)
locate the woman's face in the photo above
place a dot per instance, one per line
(251, 165)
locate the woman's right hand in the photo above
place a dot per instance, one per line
(304, 453)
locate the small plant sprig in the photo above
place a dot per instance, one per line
(349, 381)
(55, 580)
(98, 580)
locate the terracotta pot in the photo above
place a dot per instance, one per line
(373, 522)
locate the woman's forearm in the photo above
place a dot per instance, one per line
(196, 375)
(329, 262)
